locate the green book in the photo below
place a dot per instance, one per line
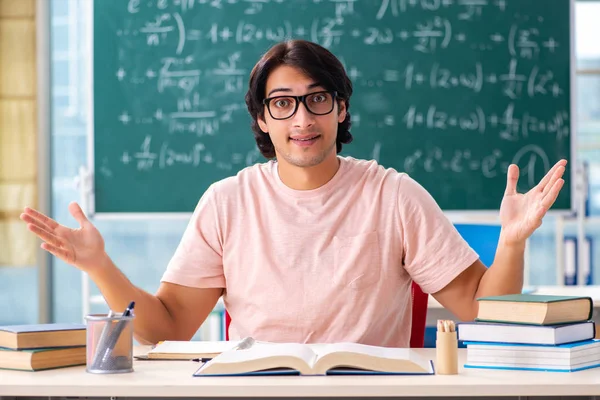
(536, 309)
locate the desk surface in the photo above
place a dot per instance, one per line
(591, 291)
(174, 379)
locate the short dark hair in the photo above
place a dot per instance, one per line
(313, 60)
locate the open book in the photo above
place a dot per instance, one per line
(316, 359)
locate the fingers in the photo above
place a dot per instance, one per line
(540, 212)
(546, 180)
(545, 203)
(45, 235)
(57, 252)
(77, 213)
(512, 177)
(558, 173)
(30, 220)
(552, 194)
(39, 217)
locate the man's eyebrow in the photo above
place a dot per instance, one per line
(285, 90)
(282, 89)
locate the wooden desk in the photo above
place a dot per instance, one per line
(174, 379)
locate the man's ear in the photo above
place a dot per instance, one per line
(341, 111)
(262, 124)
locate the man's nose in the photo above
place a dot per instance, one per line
(303, 118)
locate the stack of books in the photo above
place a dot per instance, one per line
(43, 346)
(532, 332)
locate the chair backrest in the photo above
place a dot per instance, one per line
(419, 317)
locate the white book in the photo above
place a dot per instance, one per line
(316, 359)
(565, 357)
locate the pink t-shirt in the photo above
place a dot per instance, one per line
(331, 264)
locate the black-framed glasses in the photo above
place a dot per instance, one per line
(284, 107)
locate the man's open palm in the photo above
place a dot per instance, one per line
(80, 247)
(521, 214)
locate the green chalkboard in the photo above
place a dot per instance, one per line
(450, 91)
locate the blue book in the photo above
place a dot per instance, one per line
(320, 359)
(525, 334)
(566, 357)
(37, 336)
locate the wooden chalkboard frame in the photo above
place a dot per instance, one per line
(87, 172)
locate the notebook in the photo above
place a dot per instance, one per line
(188, 350)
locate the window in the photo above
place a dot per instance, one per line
(587, 50)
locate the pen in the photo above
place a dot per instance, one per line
(106, 350)
(104, 335)
(129, 309)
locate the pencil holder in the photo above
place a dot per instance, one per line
(109, 344)
(446, 347)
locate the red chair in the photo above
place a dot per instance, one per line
(419, 317)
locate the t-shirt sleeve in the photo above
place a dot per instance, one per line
(198, 259)
(434, 252)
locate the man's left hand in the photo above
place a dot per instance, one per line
(521, 214)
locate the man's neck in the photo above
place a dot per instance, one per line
(308, 178)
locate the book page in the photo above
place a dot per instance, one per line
(376, 351)
(264, 350)
(193, 347)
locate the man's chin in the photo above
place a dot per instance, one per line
(306, 160)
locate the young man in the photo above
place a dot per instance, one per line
(312, 247)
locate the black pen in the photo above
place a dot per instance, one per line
(129, 309)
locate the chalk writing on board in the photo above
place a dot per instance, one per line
(200, 77)
(467, 8)
(166, 156)
(533, 157)
(506, 125)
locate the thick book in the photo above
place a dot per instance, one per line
(40, 359)
(535, 309)
(36, 336)
(525, 334)
(317, 359)
(567, 357)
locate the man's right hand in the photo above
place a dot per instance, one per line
(174, 313)
(81, 247)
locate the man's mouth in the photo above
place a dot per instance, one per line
(305, 138)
